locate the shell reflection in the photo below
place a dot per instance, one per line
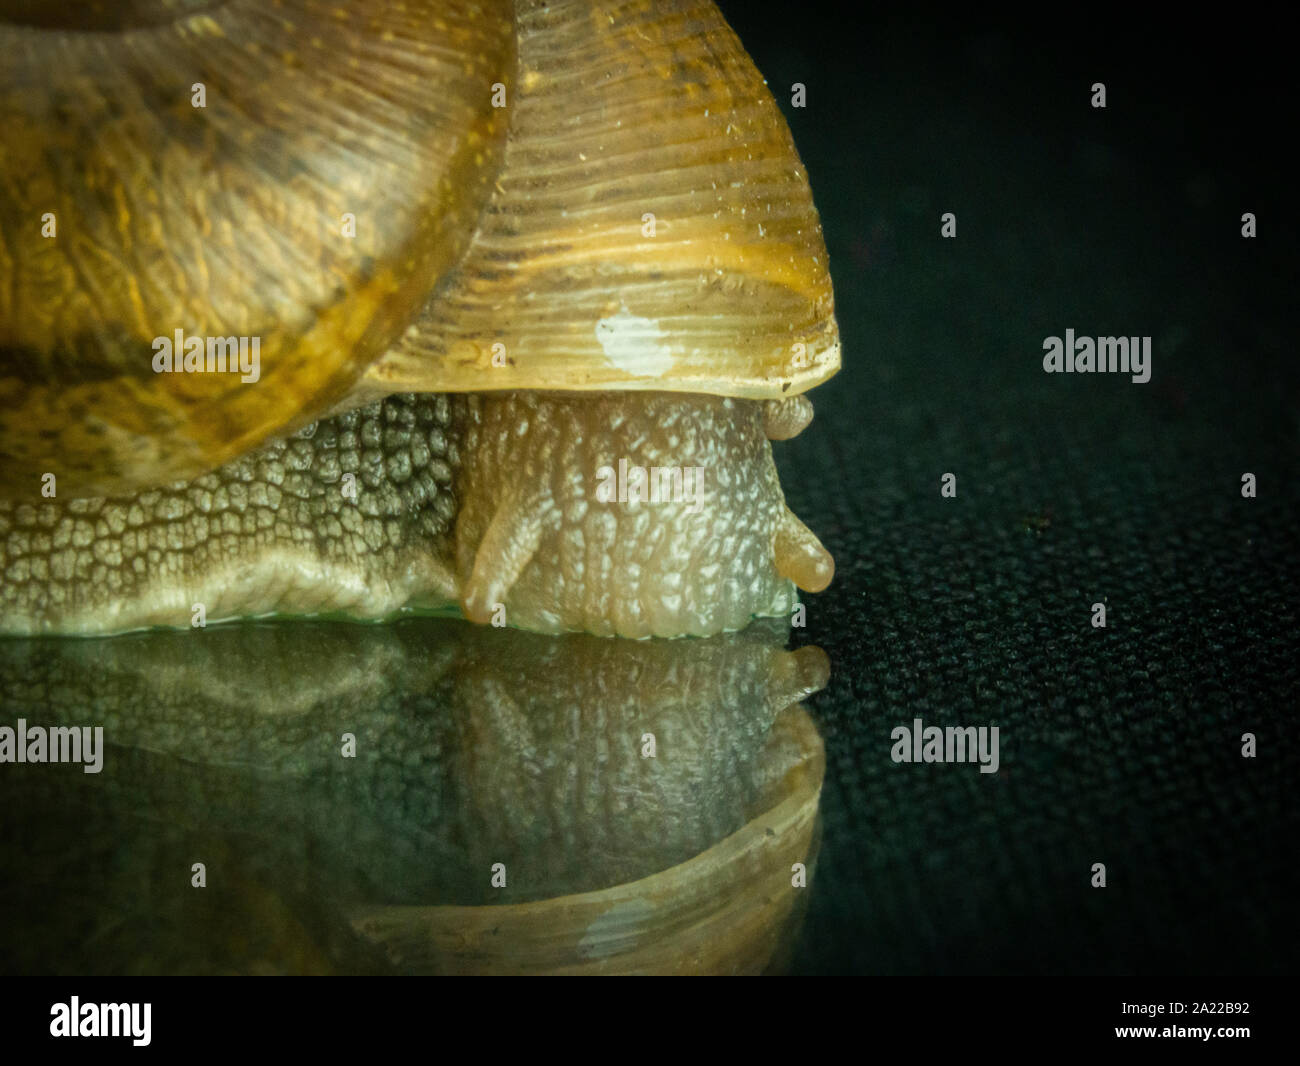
(474, 747)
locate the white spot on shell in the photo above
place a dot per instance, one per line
(609, 933)
(634, 344)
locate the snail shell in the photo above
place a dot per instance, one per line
(647, 118)
(128, 213)
(579, 234)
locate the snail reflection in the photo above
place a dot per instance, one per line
(482, 251)
(425, 796)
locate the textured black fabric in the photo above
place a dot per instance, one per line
(1123, 745)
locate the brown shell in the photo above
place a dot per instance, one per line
(223, 220)
(634, 217)
(625, 110)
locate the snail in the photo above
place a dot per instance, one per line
(314, 308)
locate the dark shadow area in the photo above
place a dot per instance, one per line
(1119, 745)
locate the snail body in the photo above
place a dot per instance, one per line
(486, 250)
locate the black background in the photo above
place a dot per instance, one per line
(1122, 745)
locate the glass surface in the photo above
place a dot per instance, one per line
(421, 797)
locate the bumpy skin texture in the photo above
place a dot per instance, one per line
(270, 532)
(611, 568)
(485, 500)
